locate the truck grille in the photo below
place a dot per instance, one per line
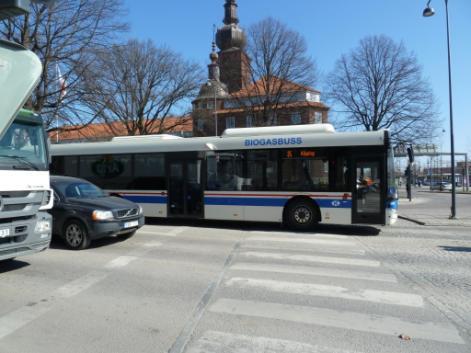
(127, 213)
(14, 204)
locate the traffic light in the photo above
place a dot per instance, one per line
(410, 153)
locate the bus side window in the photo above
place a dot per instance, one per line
(224, 171)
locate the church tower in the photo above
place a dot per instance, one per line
(231, 40)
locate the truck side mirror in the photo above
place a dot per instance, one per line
(12, 8)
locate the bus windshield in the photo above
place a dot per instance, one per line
(23, 147)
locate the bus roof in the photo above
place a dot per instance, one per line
(156, 144)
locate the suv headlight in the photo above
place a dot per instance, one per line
(99, 215)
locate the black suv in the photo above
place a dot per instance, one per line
(83, 212)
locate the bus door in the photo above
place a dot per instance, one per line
(368, 194)
(185, 186)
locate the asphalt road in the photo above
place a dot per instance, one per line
(241, 288)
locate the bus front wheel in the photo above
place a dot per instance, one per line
(301, 214)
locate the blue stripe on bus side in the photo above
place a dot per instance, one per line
(244, 201)
(146, 199)
(241, 201)
(273, 202)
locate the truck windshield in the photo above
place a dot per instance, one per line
(22, 147)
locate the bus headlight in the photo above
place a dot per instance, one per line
(99, 215)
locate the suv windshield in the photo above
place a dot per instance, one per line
(23, 147)
(81, 190)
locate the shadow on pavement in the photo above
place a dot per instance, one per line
(58, 244)
(350, 230)
(11, 265)
(456, 248)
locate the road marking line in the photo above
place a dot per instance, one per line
(79, 285)
(322, 290)
(312, 258)
(172, 233)
(344, 242)
(217, 342)
(340, 319)
(315, 271)
(20, 317)
(317, 249)
(300, 235)
(119, 262)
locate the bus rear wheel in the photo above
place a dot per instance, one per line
(301, 215)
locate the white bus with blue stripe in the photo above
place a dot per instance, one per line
(300, 175)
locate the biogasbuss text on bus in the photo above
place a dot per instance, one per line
(300, 175)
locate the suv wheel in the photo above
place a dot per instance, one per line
(76, 236)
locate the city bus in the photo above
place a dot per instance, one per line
(300, 175)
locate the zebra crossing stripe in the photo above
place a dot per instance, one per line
(315, 271)
(217, 342)
(293, 247)
(311, 258)
(348, 320)
(322, 290)
(305, 241)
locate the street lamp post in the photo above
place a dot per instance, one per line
(428, 12)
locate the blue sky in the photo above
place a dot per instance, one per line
(332, 28)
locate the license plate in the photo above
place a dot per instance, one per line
(4, 233)
(131, 224)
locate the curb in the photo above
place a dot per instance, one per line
(412, 220)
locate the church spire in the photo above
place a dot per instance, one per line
(230, 16)
(213, 68)
(230, 35)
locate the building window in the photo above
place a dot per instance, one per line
(317, 117)
(204, 105)
(249, 121)
(230, 122)
(200, 124)
(296, 118)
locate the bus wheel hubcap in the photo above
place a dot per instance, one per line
(302, 215)
(73, 235)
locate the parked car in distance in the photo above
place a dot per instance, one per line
(83, 212)
(440, 185)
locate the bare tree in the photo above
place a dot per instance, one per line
(379, 85)
(279, 67)
(140, 86)
(64, 36)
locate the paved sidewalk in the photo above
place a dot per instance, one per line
(433, 209)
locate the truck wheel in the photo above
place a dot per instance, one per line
(76, 235)
(302, 215)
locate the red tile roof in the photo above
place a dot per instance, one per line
(259, 87)
(104, 131)
(281, 106)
